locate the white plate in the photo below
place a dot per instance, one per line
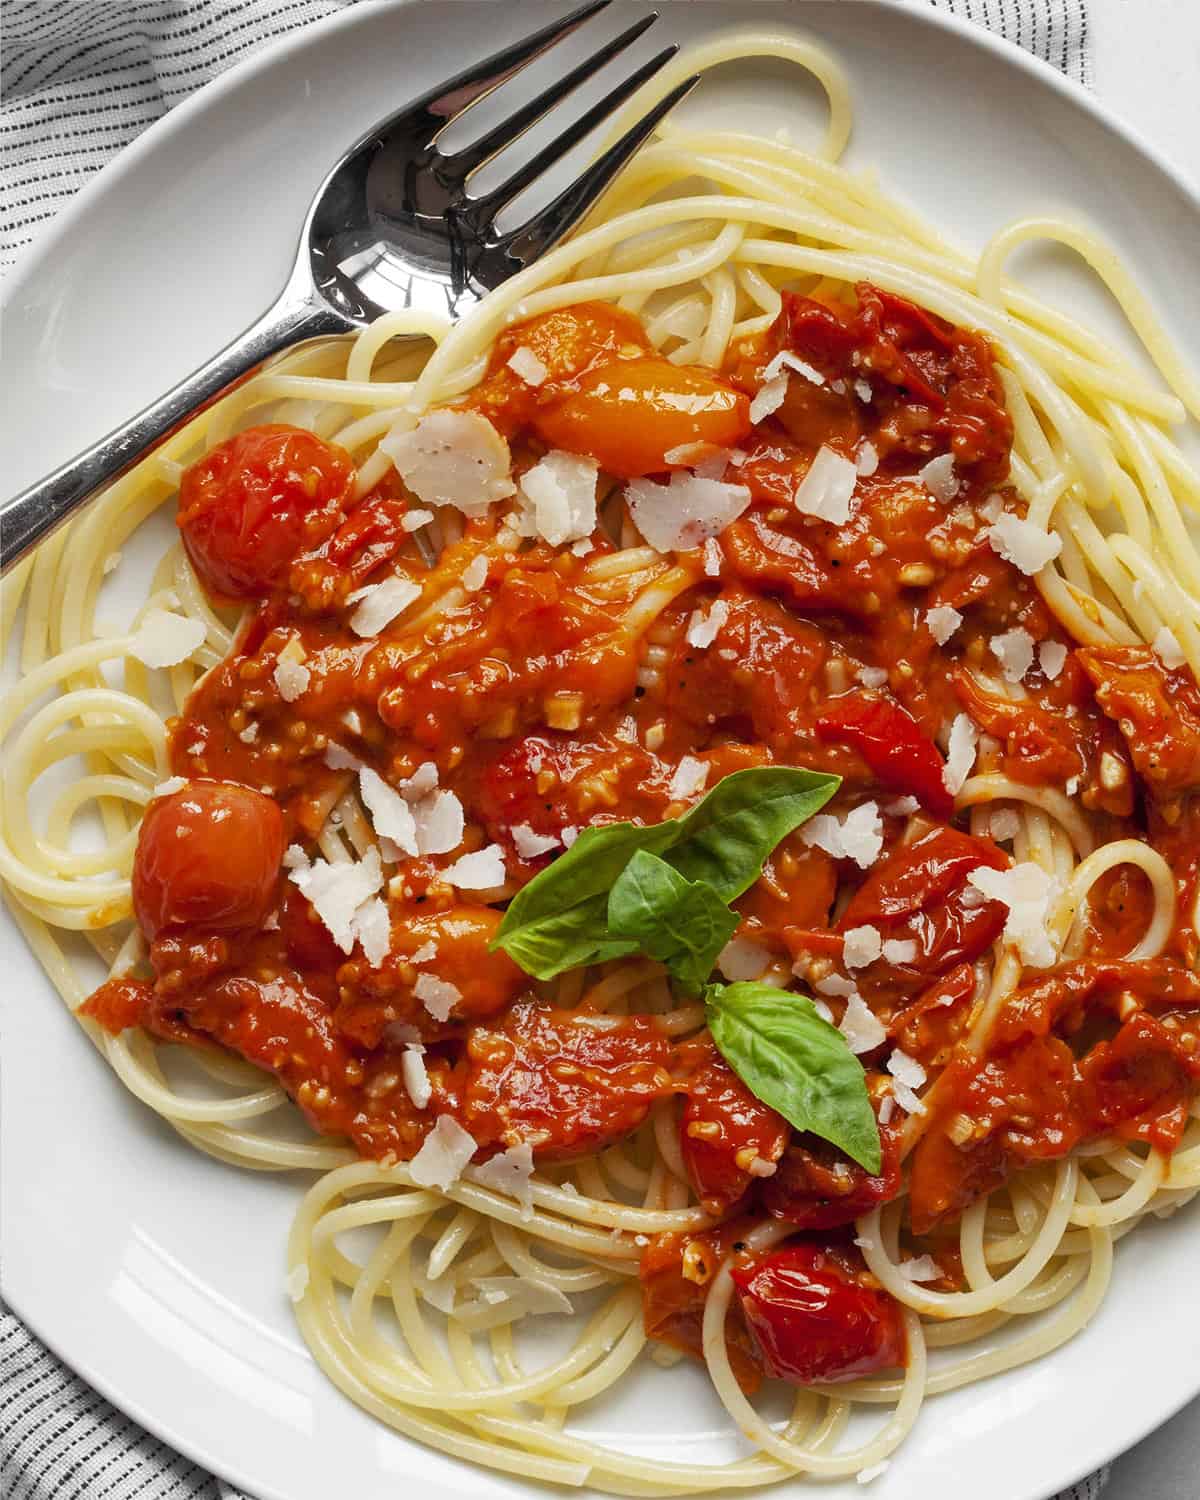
(156, 1272)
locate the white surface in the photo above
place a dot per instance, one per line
(158, 1273)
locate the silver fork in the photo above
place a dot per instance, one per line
(393, 225)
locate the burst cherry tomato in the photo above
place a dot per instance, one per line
(723, 1132)
(919, 893)
(888, 738)
(208, 857)
(816, 1315)
(816, 1186)
(629, 415)
(247, 508)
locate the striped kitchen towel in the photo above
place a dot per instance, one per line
(79, 79)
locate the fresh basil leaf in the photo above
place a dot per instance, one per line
(559, 920)
(681, 923)
(725, 839)
(800, 1065)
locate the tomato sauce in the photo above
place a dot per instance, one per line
(542, 711)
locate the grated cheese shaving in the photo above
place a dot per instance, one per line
(452, 458)
(530, 845)
(942, 622)
(558, 497)
(165, 640)
(1027, 891)
(827, 488)
(860, 1026)
(857, 836)
(480, 871)
(525, 364)
(1052, 657)
(703, 629)
(445, 1151)
(416, 1075)
(741, 959)
(685, 512)
(861, 946)
(689, 778)
(939, 478)
(510, 1173)
(960, 756)
(1022, 543)
(380, 603)
(438, 996)
(1014, 651)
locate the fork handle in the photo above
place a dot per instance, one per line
(30, 517)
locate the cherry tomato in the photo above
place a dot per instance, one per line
(629, 415)
(724, 1128)
(816, 1186)
(918, 894)
(208, 857)
(816, 1315)
(887, 737)
(251, 505)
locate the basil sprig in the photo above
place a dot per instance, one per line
(800, 1065)
(596, 903)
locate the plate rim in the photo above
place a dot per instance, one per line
(178, 120)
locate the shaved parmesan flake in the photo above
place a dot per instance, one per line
(1005, 824)
(685, 512)
(866, 460)
(887, 1108)
(939, 478)
(857, 836)
(1168, 650)
(582, 547)
(297, 1282)
(786, 360)
(440, 823)
(902, 807)
(373, 929)
(899, 951)
(558, 496)
(689, 778)
(522, 1296)
(413, 520)
(438, 996)
(823, 1011)
(338, 758)
(529, 844)
(861, 946)
(742, 959)
(860, 1026)
(907, 1076)
(826, 490)
(416, 1075)
(1022, 543)
(445, 1152)
(525, 363)
(862, 389)
(452, 458)
(292, 679)
(294, 858)
(481, 871)
(1027, 891)
(703, 629)
(872, 677)
(1052, 657)
(960, 757)
(250, 733)
(569, 835)
(712, 558)
(475, 574)
(510, 1174)
(922, 1268)
(169, 787)
(165, 640)
(380, 603)
(1014, 651)
(391, 816)
(421, 782)
(337, 891)
(770, 397)
(942, 622)
(834, 984)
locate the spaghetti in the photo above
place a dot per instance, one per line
(720, 247)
